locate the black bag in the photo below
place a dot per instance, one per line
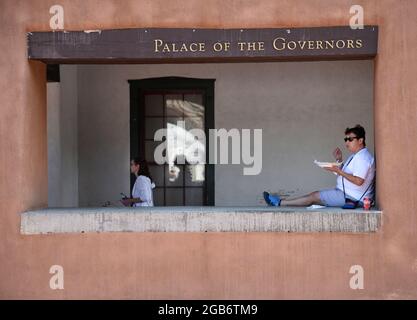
(350, 204)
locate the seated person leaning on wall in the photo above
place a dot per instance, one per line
(355, 179)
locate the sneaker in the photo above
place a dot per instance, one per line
(271, 200)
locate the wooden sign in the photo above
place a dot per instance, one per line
(202, 45)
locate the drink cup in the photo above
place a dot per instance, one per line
(366, 203)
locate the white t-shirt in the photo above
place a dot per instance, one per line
(143, 189)
(363, 166)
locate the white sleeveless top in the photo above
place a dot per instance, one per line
(362, 165)
(143, 189)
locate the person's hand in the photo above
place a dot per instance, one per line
(335, 169)
(126, 202)
(337, 154)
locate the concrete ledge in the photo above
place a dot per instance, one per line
(198, 219)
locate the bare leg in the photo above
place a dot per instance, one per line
(307, 200)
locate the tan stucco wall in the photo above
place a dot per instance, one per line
(207, 265)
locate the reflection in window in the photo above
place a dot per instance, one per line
(182, 180)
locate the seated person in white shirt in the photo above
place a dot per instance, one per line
(142, 189)
(355, 179)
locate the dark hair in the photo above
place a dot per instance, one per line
(358, 131)
(143, 167)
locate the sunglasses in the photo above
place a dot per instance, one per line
(350, 139)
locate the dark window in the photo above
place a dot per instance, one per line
(178, 105)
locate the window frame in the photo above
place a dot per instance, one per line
(138, 87)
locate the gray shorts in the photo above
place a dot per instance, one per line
(332, 197)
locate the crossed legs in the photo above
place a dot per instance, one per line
(306, 200)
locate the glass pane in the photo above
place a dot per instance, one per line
(193, 106)
(196, 98)
(194, 123)
(152, 125)
(150, 149)
(157, 173)
(195, 141)
(174, 196)
(194, 119)
(194, 175)
(194, 196)
(174, 175)
(172, 123)
(174, 105)
(158, 196)
(154, 105)
(176, 139)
